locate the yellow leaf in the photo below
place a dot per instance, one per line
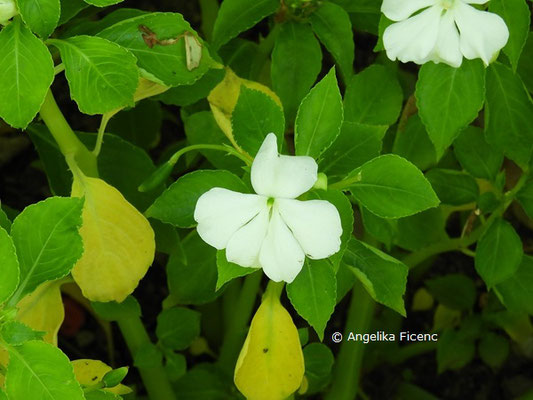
(91, 372)
(271, 363)
(119, 243)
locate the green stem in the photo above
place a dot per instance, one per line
(101, 131)
(155, 378)
(347, 369)
(236, 332)
(68, 142)
(230, 150)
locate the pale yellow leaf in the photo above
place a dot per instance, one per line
(91, 372)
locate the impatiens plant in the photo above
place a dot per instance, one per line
(282, 199)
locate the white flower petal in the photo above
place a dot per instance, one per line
(221, 212)
(414, 38)
(281, 176)
(281, 257)
(244, 246)
(398, 10)
(315, 224)
(482, 34)
(447, 49)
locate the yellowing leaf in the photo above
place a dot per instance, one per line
(271, 364)
(118, 240)
(91, 372)
(4, 360)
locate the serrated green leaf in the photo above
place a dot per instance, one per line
(292, 78)
(413, 144)
(453, 187)
(498, 253)
(420, 230)
(384, 230)
(449, 99)
(23, 86)
(70, 8)
(453, 351)
(41, 16)
(102, 75)
(236, 16)
(185, 95)
(516, 292)
(319, 118)
(333, 27)
(10, 266)
(178, 327)
(392, 187)
(16, 333)
(313, 294)
(256, 115)
(509, 114)
(373, 97)
(383, 277)
(228, 271)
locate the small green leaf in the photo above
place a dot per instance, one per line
(493, 349)
(449, 99)
(509, 114)
(383, 277)
(516, 292)
(114, 377)
(319, 118)
(498, 253)
(392, 187)
(16, 333)
(236, 16)
(47, 241)
(10, 266)
(413, 144)
(40, 371)
(477, 156)
(113, 311)
(148, 356)
(256, 115)
(455, 291)
(102, 75)
(453, 187)
(373, 97)
(525, 197)
(333, 27)
(453, 351)
(176, 205)
(319, 362)
(228, 271)
(103, 3)
(175, 365)
(178, 327)
(313, 294)
(292, 78)
(516, 15)
(41, 16)
(23, 86)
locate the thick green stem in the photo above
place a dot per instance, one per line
(237, 328)
(347, 370)
(155, 379)
(69, 144)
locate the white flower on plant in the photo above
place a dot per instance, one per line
(444, 31)
(271, 229)
(8, 10)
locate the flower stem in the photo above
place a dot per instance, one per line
(347, 369)
(155, 378)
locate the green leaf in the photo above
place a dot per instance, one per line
(4, 221)
(228, 271)
(114, 377)
(383, 229)
(392, 187)
(178, 327)
(203, 382)
(23, 86)
(383, 277)
(345, 281)
(477, 156)
(255, 115)
(237, 54)
(420, 230)
(16, 333)
(453, 187)
(525, 197)
(102, 75)
(449, 99)
(103, 3)
(186, 95)
(236, 16)
(355, 145)
(176, 205)
(40, 371)
(498, 253)
(113, 311)
(525, 66)
(333, 27)
(148, 356)
(313, 294)
(70, 8)
(41, 16)
(10, 266)
(175, 365)
(165, 62)
(101, 395)
(192, 272)
(373, 97)
(453, 351)
(516, 15)
(509, 114)
(319, 362)
(47, 241)
(455, 291)
(517, 291)
(319, 118)
(413, 144)
(493, 349)
(292, 78)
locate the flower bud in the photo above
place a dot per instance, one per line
(8, 10)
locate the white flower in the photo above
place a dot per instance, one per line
(7, 10)
(445, 31)
(271, 229)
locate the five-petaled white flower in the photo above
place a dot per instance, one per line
(271, 229)
(445, 31)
